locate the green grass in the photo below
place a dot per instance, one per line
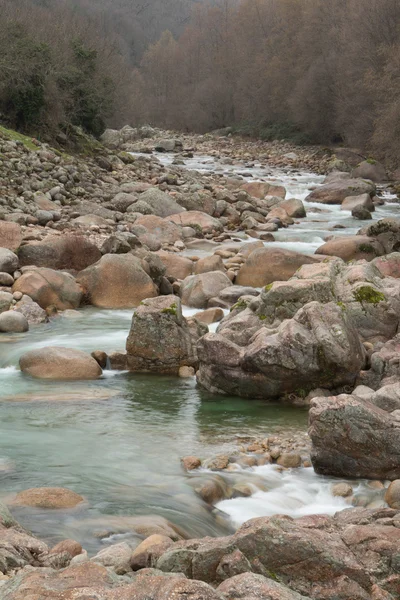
(18, 137)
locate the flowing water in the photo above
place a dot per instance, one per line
(118, 441)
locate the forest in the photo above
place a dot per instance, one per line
(308, 70)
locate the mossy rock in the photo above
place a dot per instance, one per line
(15, 136)
(366, 294)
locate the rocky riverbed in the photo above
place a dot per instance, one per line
(171, 308)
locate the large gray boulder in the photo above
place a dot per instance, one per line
(197, 290)
(336, 191)
(319, 347)
(8, 261)
(352, 437)
(160, 339)
(12, 321)
(370, 169)
(161, 204)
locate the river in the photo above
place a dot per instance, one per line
(118, 441)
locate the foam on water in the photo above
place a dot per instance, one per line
(295, 492)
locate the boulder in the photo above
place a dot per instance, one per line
(8, 261)
(294, 208)
(361, 213)
(86, 208)
(319, 347)
(209, 263)
(89, 220)
(48, 497)
(352, 247)
(31, 310)
(389, 265)
(266, 265)
(116, 281)
(197, 220)
(330, 557)
(53, 362)
(50, 288)
(119, 243)
(353, 438)
(117, 556)
(60, 252)
(364, 200)
(12, 321)
(197, 290)
(6, 300)
(392, 495)
(10, 235)
(176, 266)
(168, 145)
(143, 556)
(71, 546)
(251, 586)
(160, 339)
(259, 189)
(336, 191)
(161, 204)
(162, 229)
(370, 169)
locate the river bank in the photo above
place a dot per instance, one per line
(106, 250)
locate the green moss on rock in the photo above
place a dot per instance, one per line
(366, 294)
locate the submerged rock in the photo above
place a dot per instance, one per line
(48, 497)
(53, 362)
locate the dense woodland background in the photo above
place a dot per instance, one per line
(309, 70)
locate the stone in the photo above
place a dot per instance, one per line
(163, 230)
(210, 315)
(119, 243)
(259, 189)
(117, 556)
(364, 200)
(147, 552)
(8, 261)
(6, 300)
(361, 213)
(71, 546)
(389, 265)
(352, 247)
(48, 498)
(197, 290)
(161, 204)
(167, 145)
(353, 438)
(370, 169)
(176, 266)
(13, 322)
(251, 586)
(186, 372)
(6, 279)
(267, 265)
(57, 363)
(60, 252)
(209, 263)
(289, 460)
(87, 221)
(189, 463)
(343, 490)
(294, 208)
(198, 220)
(31, 310)
(336, 191)
(10, 235)
(160, 339)
(47, 288)
(116, 281)
(319, 347)
(392, 494)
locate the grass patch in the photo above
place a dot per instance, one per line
(18, 137)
